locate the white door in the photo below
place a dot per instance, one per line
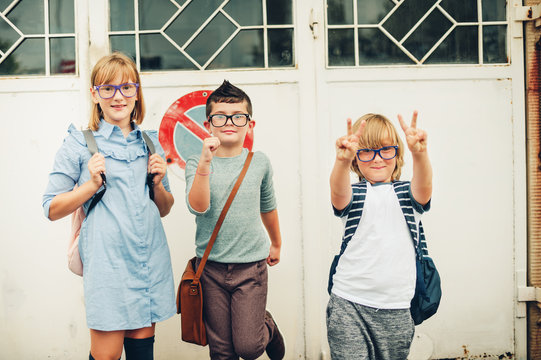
(461, 65)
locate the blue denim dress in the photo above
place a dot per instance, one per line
(128, 280)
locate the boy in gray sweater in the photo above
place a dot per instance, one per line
(235, 277)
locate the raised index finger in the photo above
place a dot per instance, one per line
(402, 123)
(349, 127)
(414, 119)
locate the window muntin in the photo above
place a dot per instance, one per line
(409, 32)
(204, 34)
(37, 37)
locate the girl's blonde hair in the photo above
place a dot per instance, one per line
(378, 128)
(105, 71)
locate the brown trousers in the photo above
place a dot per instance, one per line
(234, 309)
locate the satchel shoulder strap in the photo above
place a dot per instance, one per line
(221, 219)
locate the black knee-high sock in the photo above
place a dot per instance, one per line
(139, 349)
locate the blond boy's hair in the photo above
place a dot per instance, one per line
(378, 128)
(105, 71)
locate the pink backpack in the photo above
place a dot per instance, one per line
(74, 259)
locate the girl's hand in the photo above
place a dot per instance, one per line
(158, 167)
(346, 146)
(416, 138)
(210, 145)
(96, 166)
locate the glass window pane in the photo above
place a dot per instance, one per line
(406, 16)
(372, 11)
(27, 16)
(244, 12)
(159, 54)
(124, 44)
(61, 16)
(153, 14)
(461, 10)
(190, 19)
(279, 12)
(121, 14)
(461, 46)
(376, 49)
(4, 4)
(341, 47)
(495, 44)
(280, 47)
(427, 34)
(494, 10)
(8, 35)
(340, 12)
(245, 51)
(62, 55)
(210, 39)
(27, 59)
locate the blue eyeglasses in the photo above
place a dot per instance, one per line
(386, 153)
(107, 91)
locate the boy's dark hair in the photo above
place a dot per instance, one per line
(228, 93)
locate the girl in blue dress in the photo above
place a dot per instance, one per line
(127, 274)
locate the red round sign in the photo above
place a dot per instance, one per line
(182, 129)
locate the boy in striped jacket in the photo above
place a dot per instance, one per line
(373, 279)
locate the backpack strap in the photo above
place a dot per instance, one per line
(355, 213)
(90, 141)
(93, 148)
(149, 143)
(402, 190)
(150, 177)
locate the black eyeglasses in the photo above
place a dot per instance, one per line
(386, 153)
(219, 120)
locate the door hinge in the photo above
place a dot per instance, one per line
(529, 13)
(528, 293)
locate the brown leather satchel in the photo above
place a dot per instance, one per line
(190, 293)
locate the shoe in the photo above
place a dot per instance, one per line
(276, 348)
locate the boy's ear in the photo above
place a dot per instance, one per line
(207, 125)
(251, 124)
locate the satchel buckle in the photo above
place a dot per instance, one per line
(194, 290)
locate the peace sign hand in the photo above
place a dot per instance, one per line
(416, 138)
(346, 146)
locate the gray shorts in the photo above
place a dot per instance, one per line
(360, 332)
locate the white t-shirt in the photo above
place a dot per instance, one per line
(378, 267)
